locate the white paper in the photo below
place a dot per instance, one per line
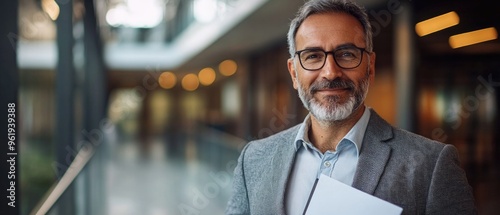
(334, 197)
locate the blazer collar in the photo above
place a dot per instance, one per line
(374, 154)
(282, 164)
(373, 157)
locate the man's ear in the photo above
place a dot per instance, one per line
(293, 74)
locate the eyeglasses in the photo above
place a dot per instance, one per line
(347, 57)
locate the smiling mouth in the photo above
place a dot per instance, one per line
(332, 91)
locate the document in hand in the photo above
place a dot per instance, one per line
(330, 196)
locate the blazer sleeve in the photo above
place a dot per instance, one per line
(449, 191)
(238, 203)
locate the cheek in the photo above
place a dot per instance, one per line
(306, 78)
(357, 78)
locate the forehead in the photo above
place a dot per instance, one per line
(329, 30)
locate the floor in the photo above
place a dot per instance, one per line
(194, 179)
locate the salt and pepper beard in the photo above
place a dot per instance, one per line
(333, 111)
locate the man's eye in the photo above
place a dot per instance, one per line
(346, 55)
(313, 56)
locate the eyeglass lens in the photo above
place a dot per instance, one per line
(346, 58)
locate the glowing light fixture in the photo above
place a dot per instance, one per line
(136, 14)
(228, 67)
(205, 10)
(190, 82)
(51, 8)
(167, 80)
(473, 37)
(437, 23)
(206, 76)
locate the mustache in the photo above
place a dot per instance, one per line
(334, 84)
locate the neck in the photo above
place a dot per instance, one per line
(327, 135)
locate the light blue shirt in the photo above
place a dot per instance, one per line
(310, 162)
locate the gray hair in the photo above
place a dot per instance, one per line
(326, 6)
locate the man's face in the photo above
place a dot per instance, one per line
(331, 93)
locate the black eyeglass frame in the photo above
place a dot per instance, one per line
(333, 55)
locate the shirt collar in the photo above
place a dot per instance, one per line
(302, 136)
(355, 135)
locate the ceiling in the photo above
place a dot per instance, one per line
(269, 25)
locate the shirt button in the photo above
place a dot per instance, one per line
(328, 164)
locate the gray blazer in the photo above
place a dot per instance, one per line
(420, 175)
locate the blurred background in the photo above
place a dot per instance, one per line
(146, 104)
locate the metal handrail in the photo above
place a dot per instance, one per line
(55, 192)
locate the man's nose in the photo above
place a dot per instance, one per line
(331, 70)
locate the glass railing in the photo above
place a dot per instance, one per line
(187, 171)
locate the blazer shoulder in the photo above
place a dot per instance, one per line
(402, 142)
(413, 139)
(281, 139)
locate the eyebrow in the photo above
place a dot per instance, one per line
(345, 45)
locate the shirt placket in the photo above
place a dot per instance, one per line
(328, 163)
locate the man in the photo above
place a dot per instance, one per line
(341, 138)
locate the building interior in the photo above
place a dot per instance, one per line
(143, 106)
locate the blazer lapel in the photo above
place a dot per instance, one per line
(374, 154)
(282, 165)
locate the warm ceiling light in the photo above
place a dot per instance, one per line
(473, 37)
(190, 82)
(437, 23)
(206, 76)
(167, 80)
(228, 67)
